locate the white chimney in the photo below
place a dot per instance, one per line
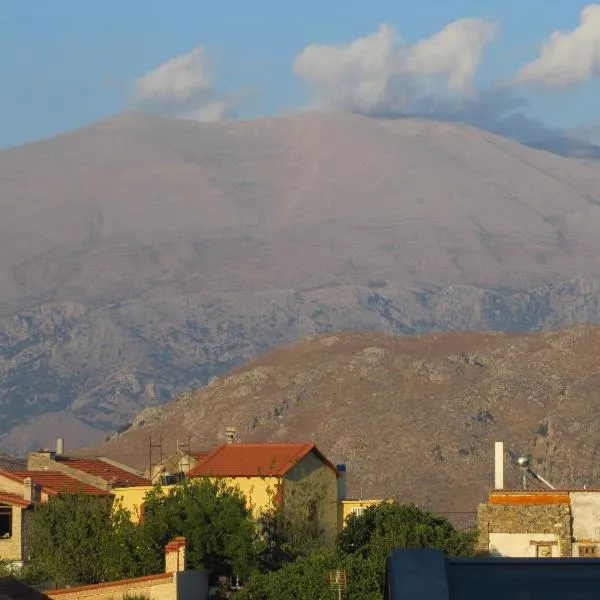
(231, 435)
(499, 466)
(28, 489)
(60, 446)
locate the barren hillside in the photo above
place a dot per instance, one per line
(140, 256)
(413, 417)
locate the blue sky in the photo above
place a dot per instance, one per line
(68, 63)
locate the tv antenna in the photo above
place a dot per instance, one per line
(524, 463)
(338, 582)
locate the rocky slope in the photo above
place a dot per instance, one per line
(140, 256)
(413, 417)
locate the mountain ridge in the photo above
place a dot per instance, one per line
(414, 418)
(141, 256)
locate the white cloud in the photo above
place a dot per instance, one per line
(568, 57)
(380, 73)
(182, 87)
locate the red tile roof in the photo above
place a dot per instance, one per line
(253, 460)
(13, 500)
(100, 468)
(54, 483)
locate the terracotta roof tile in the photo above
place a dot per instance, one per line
(107, 471)
(13, 500)
(253, 460)
(54, 483)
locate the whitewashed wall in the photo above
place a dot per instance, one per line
(519, 544)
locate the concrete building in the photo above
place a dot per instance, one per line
(540, 523)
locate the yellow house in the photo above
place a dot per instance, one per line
(267, 474)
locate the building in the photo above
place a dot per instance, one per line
(266, 474)
(99, 472)
(19, 491)
(538, 523)
(425, 574)
(173, 468)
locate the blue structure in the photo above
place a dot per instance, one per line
(425, 574)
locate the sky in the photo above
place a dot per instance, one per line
(523, 68)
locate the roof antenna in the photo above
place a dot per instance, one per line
(523, 462)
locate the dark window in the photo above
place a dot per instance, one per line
(5, 522)
(588, 551)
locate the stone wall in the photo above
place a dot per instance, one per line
(11, 548)
(526, 519)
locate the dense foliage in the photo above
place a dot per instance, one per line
(78, 540)
(361, 550)
(213, 518)
(75, 540)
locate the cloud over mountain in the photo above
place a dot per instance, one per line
(182, 87)
(567, 57)
(380, 73)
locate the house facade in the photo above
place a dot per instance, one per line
(267, 474)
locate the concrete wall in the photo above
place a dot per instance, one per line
(585, 508)
(522, 544)
(185, 585)
(312, 477)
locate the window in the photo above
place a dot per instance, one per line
(543, 550)
(358, 510)
(588, 551)
(5, 522)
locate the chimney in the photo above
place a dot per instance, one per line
(230, 434)
(341, 483)
(28, 491)
(499, 466)
(60, 447)
(175, 555)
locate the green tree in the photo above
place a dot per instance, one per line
(293, 529)
(391, 525)
(214, 519)
(76, 539)
(362, 550)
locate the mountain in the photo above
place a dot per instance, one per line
(568, 146)
(415, 418)
(140, 256)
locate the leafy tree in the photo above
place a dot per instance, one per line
(390, 525)
(75, 539)
(293, 529)
(302, 579)
(362, 549)
(214, 519)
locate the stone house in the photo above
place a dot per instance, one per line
(539, 523)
